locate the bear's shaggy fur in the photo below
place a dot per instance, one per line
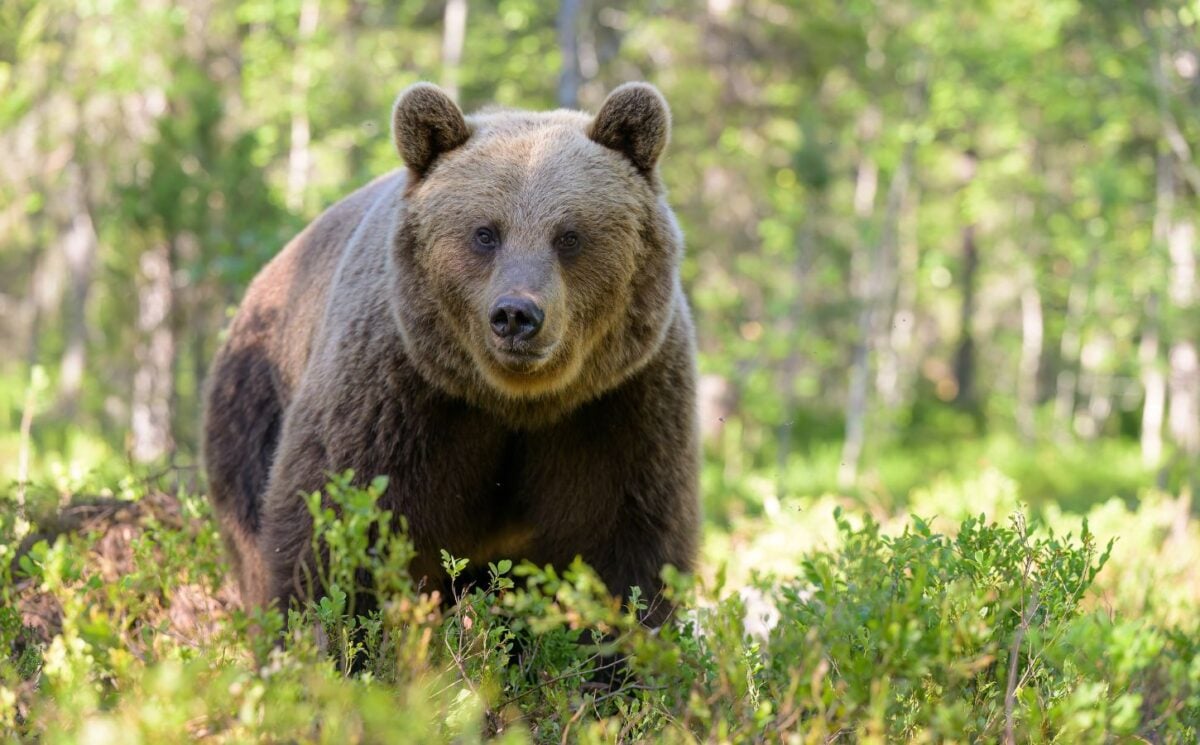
(366, 344)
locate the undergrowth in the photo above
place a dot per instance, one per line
(124, 629)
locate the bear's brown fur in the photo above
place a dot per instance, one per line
(372, 342)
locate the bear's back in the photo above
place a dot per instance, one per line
(288, 299)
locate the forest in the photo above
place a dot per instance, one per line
(942, 259)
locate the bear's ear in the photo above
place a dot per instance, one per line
(425, 124)
(634, 120)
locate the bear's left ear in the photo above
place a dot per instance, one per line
(426, 123)
(634, 120)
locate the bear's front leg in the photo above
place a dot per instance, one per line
(657, 523)
(312, 451)
(439, 456)
(302, 466)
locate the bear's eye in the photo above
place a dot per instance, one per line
(485, 238)
(568, 242)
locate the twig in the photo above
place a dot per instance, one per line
(575, 673)
(1027, 612)
(462, 670)
(624, 690)
(1010, 695)
(574, 718)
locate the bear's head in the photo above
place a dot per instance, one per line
(534, 257)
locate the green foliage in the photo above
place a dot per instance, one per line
(819, 169)
(922, 628)
(896, 631)
(220, 139)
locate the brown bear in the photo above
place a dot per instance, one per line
(500, 329)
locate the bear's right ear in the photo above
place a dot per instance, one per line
(426, 123)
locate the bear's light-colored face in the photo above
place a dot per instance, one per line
(530, 234)
(539, 224)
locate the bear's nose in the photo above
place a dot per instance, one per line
(515, 317)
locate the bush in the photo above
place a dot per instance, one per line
(893, 631)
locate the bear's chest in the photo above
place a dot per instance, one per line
(460, 481)
(503, 503)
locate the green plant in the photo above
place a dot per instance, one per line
(888, 630)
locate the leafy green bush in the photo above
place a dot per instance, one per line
(892, 630)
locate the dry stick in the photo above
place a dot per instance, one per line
(489, 713)
(462, 669)
(1010, 695)
(572, 673)
(574, 718)
(1052, 639)
(596, 700)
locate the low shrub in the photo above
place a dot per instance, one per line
(985, 629)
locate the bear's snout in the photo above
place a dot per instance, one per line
(516, 318)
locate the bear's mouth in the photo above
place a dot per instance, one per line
(519, 358)
(528, 369)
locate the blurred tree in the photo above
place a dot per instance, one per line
(80, 245)
(454, 31)
(299, 154)
(568, 44)
(849, 283)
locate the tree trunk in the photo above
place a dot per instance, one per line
(893, 377)
(1067, 383)
(188, 327)
(47, 279)
(964, 355)
(299, 155)
(80, 245)
(887, 376)
(1033, 326)
(1183, 379)
(1154, 384)
(454, 32)
(904, 340)
(856, 405)
(1100, 395)
(1032, 333)
(1183, 417)
(864, 289)
(568, 44)
(150, 429)
(790, 370)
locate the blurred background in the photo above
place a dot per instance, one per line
(926, 240)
